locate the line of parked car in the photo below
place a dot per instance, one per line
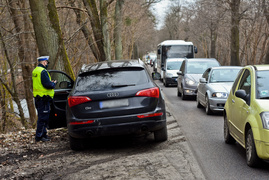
(241, 93)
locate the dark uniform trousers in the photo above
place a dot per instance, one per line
(43, 108)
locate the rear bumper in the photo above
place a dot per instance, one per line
(127, 125)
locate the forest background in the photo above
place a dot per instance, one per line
(77, 32)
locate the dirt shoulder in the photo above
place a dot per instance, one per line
(105, 158)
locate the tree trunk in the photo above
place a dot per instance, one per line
(96, 26)
(235, 20)
(24, 57)
(86, 32)
(265, 6)
(118, 29)
(103, 15)
(49, 36)
(12, 89)
(3, 107)
(214, 35)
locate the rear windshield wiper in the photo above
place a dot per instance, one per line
(122, 85)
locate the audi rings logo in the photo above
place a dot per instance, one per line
(112, 94)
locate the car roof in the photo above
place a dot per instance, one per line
(111, 65)
(201, 59)
(175, 42)
(174, 59)
(261, 67)
(227, 67)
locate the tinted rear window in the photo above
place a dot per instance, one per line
(110, 79)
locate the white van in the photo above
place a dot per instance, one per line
(171, 67)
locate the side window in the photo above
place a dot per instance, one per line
(63, 80)
(245, 82)
(236, 80)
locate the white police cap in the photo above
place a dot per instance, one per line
(43, 58)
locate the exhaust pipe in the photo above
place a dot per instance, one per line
(144, 128)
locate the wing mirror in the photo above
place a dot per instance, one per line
(202, 80)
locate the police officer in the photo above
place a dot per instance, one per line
(43, 91)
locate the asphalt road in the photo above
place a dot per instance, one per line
(205, 136)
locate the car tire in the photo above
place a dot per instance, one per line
(76, 144)
(183, 96)
(178, 93)
(198, 104)
(227, 136)
(164, 83)
(161, 135)
(251, 154)
(207, 107)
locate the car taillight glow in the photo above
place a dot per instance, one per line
(152, 92)
(81, 122)
(150, 115)
(75, 100)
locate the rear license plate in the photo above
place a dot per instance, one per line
(114, 103)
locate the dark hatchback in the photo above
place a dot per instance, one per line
(114, 98)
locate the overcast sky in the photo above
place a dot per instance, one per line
(159, 10)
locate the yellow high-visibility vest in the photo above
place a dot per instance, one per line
(38, 88)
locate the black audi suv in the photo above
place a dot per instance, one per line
(114, 98)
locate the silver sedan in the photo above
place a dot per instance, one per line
(214, 87)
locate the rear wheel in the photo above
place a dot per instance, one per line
(227, 137)
(76, 144)
(252, 158)
(161, 135)
(207, 107)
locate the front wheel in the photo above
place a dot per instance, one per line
(198, 104)
(207, 107)
(178, 93)
(161, 135)
(251, 154)
(183, 96)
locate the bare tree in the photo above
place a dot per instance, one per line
(22, 27)
(48, 34)
(118, 29)
(265, 5)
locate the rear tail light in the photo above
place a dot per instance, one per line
(75, 100)
(150, 115)
(81, 122)
(152, 92)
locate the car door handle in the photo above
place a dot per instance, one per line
(233, 101)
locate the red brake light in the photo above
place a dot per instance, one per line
(152, 92)
(75, 100)
(150, 115)
(81, 122)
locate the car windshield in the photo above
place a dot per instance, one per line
(111, 79)
(262, 85)
(199, 67)
(223, 75)
(178, 51)
(173, 65)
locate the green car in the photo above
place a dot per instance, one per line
(246, 113)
